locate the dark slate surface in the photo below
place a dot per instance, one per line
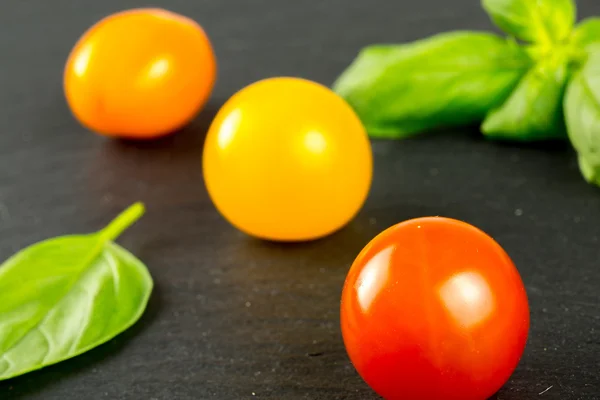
(236, 318)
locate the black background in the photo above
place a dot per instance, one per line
(237, 318)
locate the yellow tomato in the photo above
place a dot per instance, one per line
(286, 159)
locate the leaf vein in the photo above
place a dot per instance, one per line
(9, 363)
(115, 274)
(49, 342)
(77, 340)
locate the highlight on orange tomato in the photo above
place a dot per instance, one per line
(433, 308)
(140, 73)
(286, 159)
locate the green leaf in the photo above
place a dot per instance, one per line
(63, 296)
(534, 110)
(587, 32)
(541, 21)
(582, 112)
(447, 79)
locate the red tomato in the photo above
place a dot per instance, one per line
(434, 309)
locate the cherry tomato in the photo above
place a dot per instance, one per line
(140, 73)
(286, 159)
(433, 308)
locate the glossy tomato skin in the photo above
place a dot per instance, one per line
(286, 159)
(433, 308)
(140, 73)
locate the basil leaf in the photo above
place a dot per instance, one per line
(582, 112)
(63, 296)
(542, 21)
(447, 79)
(587, 32)
(534, 110)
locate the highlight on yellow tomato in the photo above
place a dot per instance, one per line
(286, 159)
(140, 73)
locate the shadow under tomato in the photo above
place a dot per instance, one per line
(189, 137)
(334, 252)
(36, 382)
(504, 395)
(341, 246)
(164, 172)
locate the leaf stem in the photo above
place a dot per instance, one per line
(123, 221)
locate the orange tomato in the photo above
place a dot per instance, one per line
(433, 308)
(286, 159)
(140, 73)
